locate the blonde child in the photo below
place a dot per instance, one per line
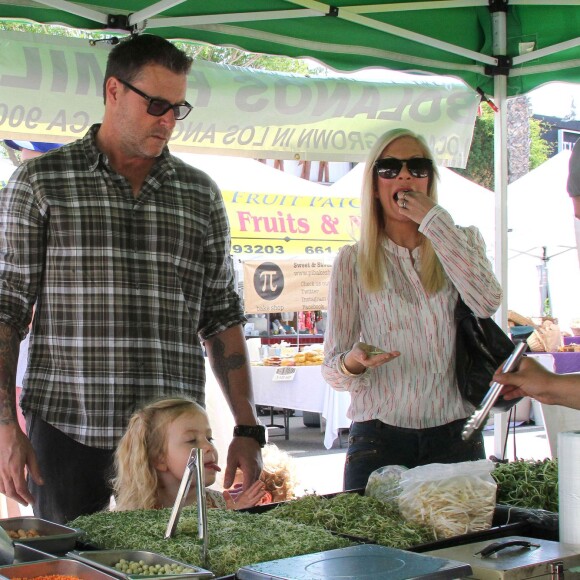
(151, 458)
(278, 475)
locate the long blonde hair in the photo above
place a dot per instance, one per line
(135, 483)
(370, 258)
(279, 473)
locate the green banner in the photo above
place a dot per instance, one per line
(51, 90)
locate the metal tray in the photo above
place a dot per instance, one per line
(53, 538)
(106, 559)
(61, 566)
(357, 562)
(24, 553)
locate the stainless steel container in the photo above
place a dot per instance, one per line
(53, 538)
(105, 560)
(60, 566)
(366, 561)
(516, 558)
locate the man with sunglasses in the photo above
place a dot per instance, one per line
(124, 251)
(390, 337)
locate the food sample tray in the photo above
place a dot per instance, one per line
(53, 538)
(105, 560)
(57, 566)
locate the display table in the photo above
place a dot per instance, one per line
(307, 391)
(559, 362)
(555, 417)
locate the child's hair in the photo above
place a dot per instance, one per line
(135, 483)
(279, 473)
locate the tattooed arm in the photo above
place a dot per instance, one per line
(228, 355)
(16, 453)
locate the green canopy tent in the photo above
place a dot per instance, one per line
(500, 48)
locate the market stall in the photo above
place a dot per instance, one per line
(302, 388)
(305, 391)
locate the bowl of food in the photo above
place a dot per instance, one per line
(137, 564)
(41, 534)
(64, 568)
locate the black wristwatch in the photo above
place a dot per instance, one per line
(257, 432)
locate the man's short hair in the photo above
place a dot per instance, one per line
(131, 55)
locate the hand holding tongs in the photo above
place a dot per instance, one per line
(481, 414)
(194, 462)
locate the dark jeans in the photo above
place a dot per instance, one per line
(373, 444)
(76, 477)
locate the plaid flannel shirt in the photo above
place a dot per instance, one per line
(123, 287)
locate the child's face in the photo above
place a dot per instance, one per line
(189, 430)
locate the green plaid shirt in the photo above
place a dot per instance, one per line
(124, 287)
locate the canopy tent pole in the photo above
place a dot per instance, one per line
(499, 24)
(74, 8)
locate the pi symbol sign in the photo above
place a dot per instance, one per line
(268, 281)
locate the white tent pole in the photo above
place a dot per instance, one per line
(76, 9)
(499, 19)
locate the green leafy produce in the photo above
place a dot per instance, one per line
(355, 515)
(528, 484)
(235, 538)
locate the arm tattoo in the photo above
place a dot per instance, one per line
(222, 365)
(9, 343)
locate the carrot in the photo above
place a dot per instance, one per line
(49, 577)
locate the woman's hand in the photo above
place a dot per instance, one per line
(414, 204)
(238, 499)
(364, 356)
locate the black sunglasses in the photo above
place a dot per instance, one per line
(158, 107)
(390, 167)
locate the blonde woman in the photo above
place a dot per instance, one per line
(152, 454)
(396, 289)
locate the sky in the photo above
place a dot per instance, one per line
(555, 99)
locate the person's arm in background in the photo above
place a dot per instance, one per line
(533, 380)
(228, 355)
(16, 452)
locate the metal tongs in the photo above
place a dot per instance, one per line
(194, 463)
(481, 414)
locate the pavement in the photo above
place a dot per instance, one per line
(320, 470)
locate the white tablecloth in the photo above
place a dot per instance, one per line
(307, 391)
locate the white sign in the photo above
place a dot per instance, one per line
(51, 90)
(284, 374)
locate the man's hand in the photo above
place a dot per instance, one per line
(16, 456)
(243, 453)
(530, 380)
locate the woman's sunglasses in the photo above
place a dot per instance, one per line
(390, 167)
(158, 107)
